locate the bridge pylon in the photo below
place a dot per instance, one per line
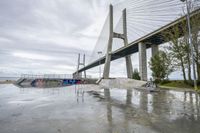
(79, 75)
(122, 36)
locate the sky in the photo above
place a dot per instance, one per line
(45, 36)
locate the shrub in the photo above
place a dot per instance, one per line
(136, 74)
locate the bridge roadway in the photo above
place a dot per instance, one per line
(154, 37)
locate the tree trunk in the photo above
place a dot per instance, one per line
(196, 50)
(183, 71)
(198, 71)
(189, 68)
(198, 66)
(197, 61)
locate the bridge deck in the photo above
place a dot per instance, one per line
(151, 38)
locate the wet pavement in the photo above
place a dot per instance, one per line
(73, 109)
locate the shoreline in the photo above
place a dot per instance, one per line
(7, 82)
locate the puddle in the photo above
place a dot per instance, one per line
(165, 111)
(78, 109)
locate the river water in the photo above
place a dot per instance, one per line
(72, 109)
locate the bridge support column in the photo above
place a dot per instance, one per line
(154, 49)
(142, 61)
(79, 74)
(109, 48)
(129, 67)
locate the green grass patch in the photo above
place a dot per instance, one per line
(176, 84)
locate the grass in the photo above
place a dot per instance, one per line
(176, 84)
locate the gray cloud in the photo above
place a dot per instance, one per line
(46, 35)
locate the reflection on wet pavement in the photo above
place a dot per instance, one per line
(76, 109)
(166, 111)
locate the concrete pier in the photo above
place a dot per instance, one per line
(154, 49)
(109, 48)
(129, 67)
(142, 61)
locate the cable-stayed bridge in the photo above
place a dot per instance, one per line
(133, 26)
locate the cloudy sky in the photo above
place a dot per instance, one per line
(45, 36)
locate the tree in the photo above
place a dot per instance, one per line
(136, 74)
(160, 65)
(186, 48)
(195, 28)
(177, 47)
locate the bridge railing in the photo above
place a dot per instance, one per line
(47, 76)
(50, 76)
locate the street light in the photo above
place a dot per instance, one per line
(99, 53)
(190, 41)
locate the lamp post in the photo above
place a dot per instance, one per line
(190, 41)
(99, 53)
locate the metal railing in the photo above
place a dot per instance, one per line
(50, 76)
(47, 76)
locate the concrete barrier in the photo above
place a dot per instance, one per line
(122, 83)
